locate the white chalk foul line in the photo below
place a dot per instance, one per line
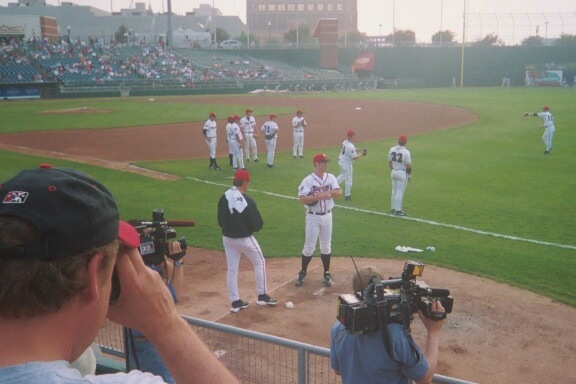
(430, 222)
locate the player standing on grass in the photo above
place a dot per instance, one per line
(298, 125)
(248, 124)
(316, 192)
(209, 132)
(230, 120)
(346, 159)
(548, 125)
(270, 129)
(400, 163)
(235, 139)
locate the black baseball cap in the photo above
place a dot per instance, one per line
(72, 211)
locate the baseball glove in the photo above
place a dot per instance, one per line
(313, 203)
(364, 151)
(526, 114)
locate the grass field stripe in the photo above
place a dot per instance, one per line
(424, 221)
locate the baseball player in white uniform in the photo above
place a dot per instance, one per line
(345, 160)
(270, 130)
(209, 132)
(298, 125)
(316, 192)
(548, 125)
(239, 218)
(235, 139)
(230, 120)
(248, 124)
(400, 164)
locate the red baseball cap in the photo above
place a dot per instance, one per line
(299, 112)
(242, 174)
(235, 117)
(249, 110)
(212, 114)
(546, 108)
(320, 158)
(273, 116)
(403, 139)
(350, 133)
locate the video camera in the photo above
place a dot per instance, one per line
(154, 236)
(395, 300)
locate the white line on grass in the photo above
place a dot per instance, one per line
(431, 222)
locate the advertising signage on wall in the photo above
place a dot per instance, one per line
(9, 31)
(544, 77)
(19, 92)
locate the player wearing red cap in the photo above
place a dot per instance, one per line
(235, 138)
(239, 218)
(346, 159)
(400, 163)
(548, 126)
(209, 132)
(316, 192)
(248, 124)
(270, 129)
(298, 125)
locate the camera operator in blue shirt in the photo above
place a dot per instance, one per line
(362, 358)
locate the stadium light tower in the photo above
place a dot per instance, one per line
(269, 25)
(393, 23)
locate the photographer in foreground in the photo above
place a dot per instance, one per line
(362, 358)
(60, 239)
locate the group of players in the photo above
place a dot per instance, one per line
(241, 135)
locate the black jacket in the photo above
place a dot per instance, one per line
(238, 225)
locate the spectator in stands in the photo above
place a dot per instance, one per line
(60, 240)
(364, 359)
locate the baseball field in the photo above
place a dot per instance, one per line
(495, 208)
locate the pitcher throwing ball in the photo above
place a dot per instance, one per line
(317, 192)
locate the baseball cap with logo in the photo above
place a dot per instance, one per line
(350, 133)
(273, 116)
(72, 212)
(212, 114)
(249, 110)
(299, 112)
(235, 117)
(320, 158)
(546, 108)
(403, 139)
(242, 174)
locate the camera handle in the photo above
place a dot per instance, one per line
(381, 305)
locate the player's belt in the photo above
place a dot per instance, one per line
(318, 213)
(298, 131)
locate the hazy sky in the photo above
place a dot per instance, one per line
(511, 20)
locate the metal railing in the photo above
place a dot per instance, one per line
(254, 357)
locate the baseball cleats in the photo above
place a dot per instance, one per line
(256, 160)
(300, 278)
(546, 152)
(399, 213)
(328, 279)
(269, 165)
(265, 300)
(238, 305)
(301, 157)
(348, 198)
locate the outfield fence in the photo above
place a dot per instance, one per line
(253, 357)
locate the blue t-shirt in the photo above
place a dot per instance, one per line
(59, 372)
(363, 359)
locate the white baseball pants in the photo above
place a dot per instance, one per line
(238, 156)
(399, 182)
(318, 228)
(211, 142)
(234, 249)
(298, 148)
(547, 137)
(250, 144)
(346, 174)
(271, 148)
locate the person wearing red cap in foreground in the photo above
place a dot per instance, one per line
(209, 132)
(548, 126)
(317, 192)
(60, 240)
(400, 163)
(270, 130)
(248, 124)
(345, 161)
(298, 125)
(239, 218)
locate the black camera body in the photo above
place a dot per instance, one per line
(154, 236)
(398, 299)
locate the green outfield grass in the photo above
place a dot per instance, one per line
(483, 194)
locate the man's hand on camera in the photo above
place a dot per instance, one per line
(431, 324)
(143, 291)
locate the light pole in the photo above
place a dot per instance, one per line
(269, 25)
(68, 28)
(380, 35)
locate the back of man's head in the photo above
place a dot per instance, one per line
(361, 279)
(52, 221)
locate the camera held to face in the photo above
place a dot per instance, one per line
(395, 300)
